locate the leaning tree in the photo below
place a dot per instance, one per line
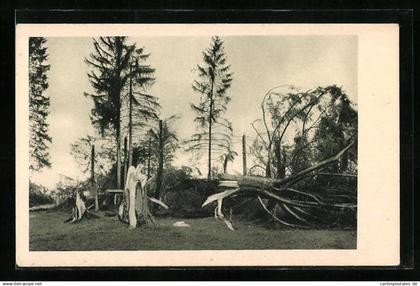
(318, 130)
(287, 127)
(214, 131)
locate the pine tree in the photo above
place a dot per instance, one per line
(214, 80)
(38, 104)
(114, 64)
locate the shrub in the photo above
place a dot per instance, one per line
(38, 195)
(184, 194)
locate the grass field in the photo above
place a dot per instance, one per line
(48, 232)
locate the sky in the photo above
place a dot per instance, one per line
(258, 63)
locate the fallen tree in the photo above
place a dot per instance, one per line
(309, 208)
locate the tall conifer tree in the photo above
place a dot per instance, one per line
(38, 104)
(214, 80)
(114, 63)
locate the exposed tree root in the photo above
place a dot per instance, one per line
(303, 209)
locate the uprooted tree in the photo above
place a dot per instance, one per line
(309, 139)
(300, 127)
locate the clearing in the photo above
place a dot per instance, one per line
(49, 233)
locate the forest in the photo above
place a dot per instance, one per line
(299, 169)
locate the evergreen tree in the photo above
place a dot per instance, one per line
(38, 104)
(114, 65)
(214, 80)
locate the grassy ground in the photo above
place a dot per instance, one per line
(48, 232)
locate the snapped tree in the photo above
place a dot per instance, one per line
(38, 104)
(290, 120)
(97, 155)
(214, 80)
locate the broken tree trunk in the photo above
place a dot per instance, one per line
(134, 208)
(267, 183)
(303, 208)
(79, 211)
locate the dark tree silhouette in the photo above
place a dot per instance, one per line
(38, 104)
(303, 116)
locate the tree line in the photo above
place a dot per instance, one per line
(296, 127)
(125, 110)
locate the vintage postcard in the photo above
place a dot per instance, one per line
(207, 145)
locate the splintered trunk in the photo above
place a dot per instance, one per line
(79, 210)
(80, 207)
(144, 215)
(309, 208)
(134, 209)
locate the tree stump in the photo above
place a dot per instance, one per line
(79, 209)
(134, 208)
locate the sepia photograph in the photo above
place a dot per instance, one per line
(209, 141)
